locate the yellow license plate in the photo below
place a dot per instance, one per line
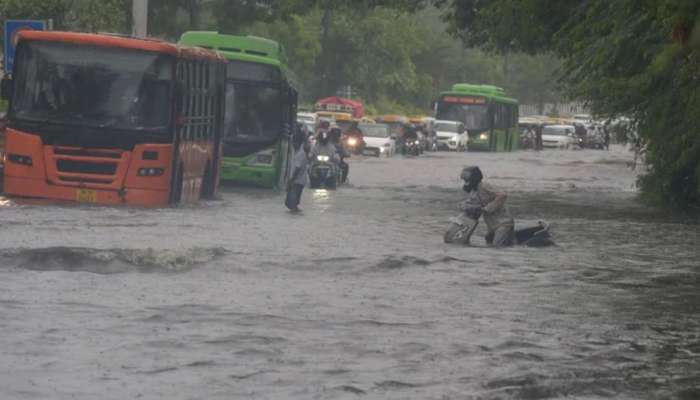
(86, 196)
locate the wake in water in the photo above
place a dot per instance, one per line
(108, 261)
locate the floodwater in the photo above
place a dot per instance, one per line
(358, 297)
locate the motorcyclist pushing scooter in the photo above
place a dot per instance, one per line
(500, 224)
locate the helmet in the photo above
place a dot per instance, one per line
(471, 176)
(323, 137)
(335, 133)
(324, 124)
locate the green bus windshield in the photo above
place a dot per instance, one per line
(473, 116)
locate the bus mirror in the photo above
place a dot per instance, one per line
(6, 88)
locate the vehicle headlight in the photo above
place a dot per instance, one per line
(323, 158)
(417, 141)
(483, 136)
(352, 142)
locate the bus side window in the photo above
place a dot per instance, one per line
(197, 97)
(181, 92)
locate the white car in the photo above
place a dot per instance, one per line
(378, 140)
(558, 136)
(450, 135)
(307, 117)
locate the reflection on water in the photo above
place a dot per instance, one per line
(321, 199)
(358, 296)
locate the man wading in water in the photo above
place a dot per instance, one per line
(297, 181)
(501, 227)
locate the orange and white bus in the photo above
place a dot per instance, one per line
(113, 120)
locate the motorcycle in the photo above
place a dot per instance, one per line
(412, 147)
(463, 226)
(324, 173)
(354, 144)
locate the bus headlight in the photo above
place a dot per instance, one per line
(20, 159)
(484, 136)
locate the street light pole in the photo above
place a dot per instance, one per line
(140, 18)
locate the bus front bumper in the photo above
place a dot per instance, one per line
(36, 188)
(246, 175)
(478, 145)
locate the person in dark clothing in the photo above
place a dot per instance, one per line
(538, 138)
(410, 135)
(498, 220)
(335, 137)
(296, 183)
(606, 137)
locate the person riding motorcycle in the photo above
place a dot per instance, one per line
(335, 138)
(324, 147)
(500, 224)
(410, 136)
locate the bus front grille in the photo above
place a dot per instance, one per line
(86, 167)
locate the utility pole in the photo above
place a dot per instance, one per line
(139, 14)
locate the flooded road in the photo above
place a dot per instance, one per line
(358, 297)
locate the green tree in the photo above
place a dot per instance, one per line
(626, 57)
(79, 15)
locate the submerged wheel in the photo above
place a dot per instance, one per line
(313, 183)
(333, 184)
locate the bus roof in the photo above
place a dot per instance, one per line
(337, 115)
(243, 48)
(490, 92)
(249, 48)
(392, 118)
(103, 40)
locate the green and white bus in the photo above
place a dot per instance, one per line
(490, 117)
(261, 106)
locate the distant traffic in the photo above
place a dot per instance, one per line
(106, 119)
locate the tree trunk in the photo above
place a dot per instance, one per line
(193, 13)
(129, 18)
(322, 60)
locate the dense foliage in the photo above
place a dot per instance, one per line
(395, 55)
(638, 58)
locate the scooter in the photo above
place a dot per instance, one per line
(463, 226)
(323, 173)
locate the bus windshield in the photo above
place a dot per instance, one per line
(474, 117)
(375, 130)
(258, 111)
(92, 86)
